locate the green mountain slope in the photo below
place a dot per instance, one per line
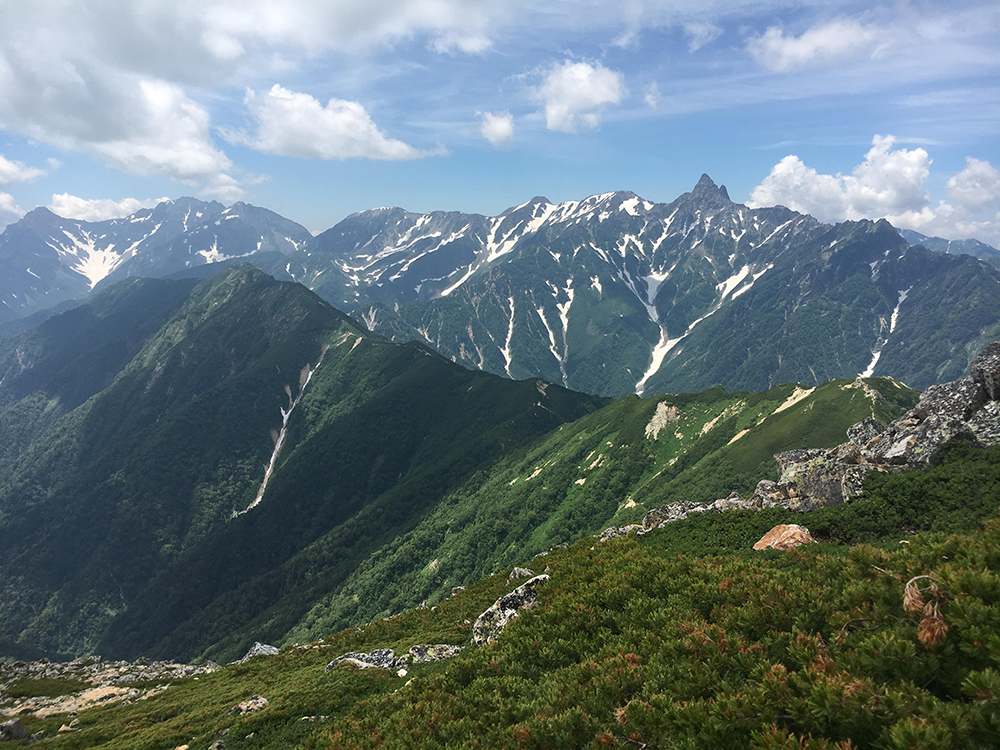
(126, 505)
(682, 638)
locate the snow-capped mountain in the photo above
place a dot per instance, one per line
(614, 294)
(46, 259)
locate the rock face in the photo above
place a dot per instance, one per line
(785, 536)
(967, 408)
(260, 649)
(520, 573)
(491, 623)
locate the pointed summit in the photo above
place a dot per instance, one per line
(707, 192)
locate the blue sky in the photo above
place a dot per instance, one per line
(318, 109)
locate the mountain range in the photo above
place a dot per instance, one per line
(609, 295)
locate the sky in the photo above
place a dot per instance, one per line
(841, 109)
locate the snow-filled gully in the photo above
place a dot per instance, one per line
(305, 375)
(877, 352)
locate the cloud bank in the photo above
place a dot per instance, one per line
(890, 184)
(72, 207)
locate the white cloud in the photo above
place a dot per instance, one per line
(9, 210)
(576, 93)
(227, 189)
(975, 187)
(290, 123)
(890, 184)
(497, 128)
(16, 171)
(97, 209)
(700, 33)
(652, 96)
(826, 43)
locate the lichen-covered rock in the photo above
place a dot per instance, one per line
(520, 573)
(250, 706)
(862, 433)
(13, 730)
(433, 652)
(985, 424)
(382, 658)
(668, 513)
(787, 459)
(959, 399)
(986, 370)
(259, 649)
(785, 537)
(508, 607)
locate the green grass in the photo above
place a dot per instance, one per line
(47, 687)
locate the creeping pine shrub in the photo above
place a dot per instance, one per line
(637, 647)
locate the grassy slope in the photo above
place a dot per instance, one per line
(684, 638)
(587, 474)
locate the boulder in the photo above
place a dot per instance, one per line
(250, 706)
(985, 425)
(508, 607)
(259, 649)
(864, 432)
(668, 513)
(431, 653)
(986, 370)
(959, 399)
(784, 537)
(13, 730)
(786, 459)
(382, 658)
(520, 573)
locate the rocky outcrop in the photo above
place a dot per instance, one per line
(785, 536)
(520, 573)
(250, 706)
(433, 652)
(508, 607)
(104, 682)
(382, 658)
(259, 649)
(967, 408)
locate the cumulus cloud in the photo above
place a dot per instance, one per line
(826, 43)
(16, 171)
(290, 123)
(497, 128)
(890, 184)
(700, 33)
(576, 93)
(97, 209)
(224, 187)
(9, 210)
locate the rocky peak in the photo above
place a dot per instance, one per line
(707, 193)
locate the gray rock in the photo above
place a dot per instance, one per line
(786, 459)
(250, 706)
(520, 573)
(457, 589)
(985, 425)
(13, 730)
(959, 399)
(433, 652)
(260, 649)
(668, 513)
(383, 658)
(508, 607)
(864, 432)
(986, 370)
